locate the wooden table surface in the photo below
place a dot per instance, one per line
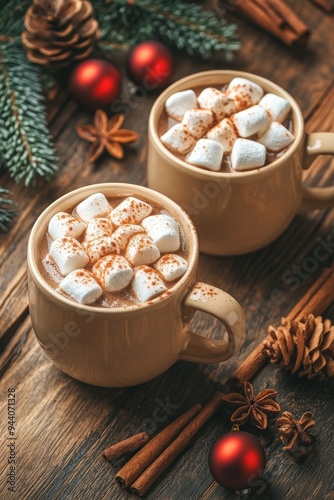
(62, 425)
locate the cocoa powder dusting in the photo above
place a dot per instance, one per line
(126, 297)
(243, 102)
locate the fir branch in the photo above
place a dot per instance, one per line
(7, 210)
(12, 14)
(184, 25)
(190, 27)
(25, 142)
(116, 23)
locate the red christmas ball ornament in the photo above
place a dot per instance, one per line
(237, 460)
(95, 83)
(150, 64)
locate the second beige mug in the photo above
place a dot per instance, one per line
(237, 213)
(124, 346)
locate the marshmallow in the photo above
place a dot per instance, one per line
(250, 121)
(97, 228)
(277, 107)
(171, 266)
(68, 254)
(113, 272)
(178, 139)
(221, 104)
(96, 249)
(63, 224)
(177, 104)
(223, 133)
(244, 92)
(130, 211)
(124, 233)
(198, 121)
(141, 250)
(276, 138)
(81, 286)
(147, 284)
(95, 205)
(164, 231)
(247, 154)
(207, 154)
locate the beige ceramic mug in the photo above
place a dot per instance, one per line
(236, 213)
(116, 347)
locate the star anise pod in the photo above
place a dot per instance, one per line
(295, 433)
(257, 408)
(106, 135)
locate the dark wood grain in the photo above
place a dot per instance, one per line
(63, 425)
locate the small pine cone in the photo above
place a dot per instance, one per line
(59, 31)
(305, 347)
(295, 434)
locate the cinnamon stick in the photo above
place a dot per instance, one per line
(316, 300)
(257, 15)
(324, 5)
(290, 28)
(144, 457)
(132, 443)
(289, 15)
(275, 17)
(153, 472)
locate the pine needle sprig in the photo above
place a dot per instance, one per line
(25, 142)
(7, 210)
(116, 20)
(12, 17)
(189, 27)
(185, 25)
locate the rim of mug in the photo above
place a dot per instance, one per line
(298, 122)
(41, 223)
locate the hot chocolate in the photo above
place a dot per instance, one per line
(232, 128)
(113, 252)
(139, 338)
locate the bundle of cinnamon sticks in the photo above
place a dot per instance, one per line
(155, 455)
(147, 465)
(274, 16)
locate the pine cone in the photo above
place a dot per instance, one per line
(305, 346)
(59, 31)
(294, 434)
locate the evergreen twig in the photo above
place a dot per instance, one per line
(185, 25)
(7, 210)
(12, 17)
(25, 142)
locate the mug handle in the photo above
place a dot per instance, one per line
(226, 309)
(313, 198)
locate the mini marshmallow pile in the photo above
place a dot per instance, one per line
(119, 247)
(241, 122)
